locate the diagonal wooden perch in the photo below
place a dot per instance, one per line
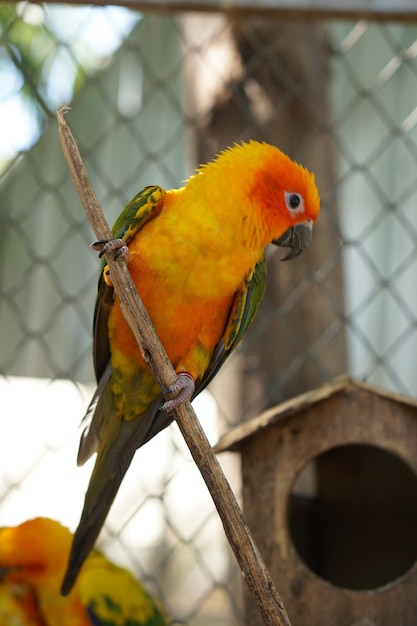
(237, 532)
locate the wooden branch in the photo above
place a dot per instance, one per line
(375, 10)
(250, 561)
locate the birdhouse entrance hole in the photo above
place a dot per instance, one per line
(352, 515)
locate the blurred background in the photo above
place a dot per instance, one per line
(153, 94)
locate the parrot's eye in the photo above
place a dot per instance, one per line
(294, 202)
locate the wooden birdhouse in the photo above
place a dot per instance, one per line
(330, 495)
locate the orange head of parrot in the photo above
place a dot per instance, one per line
(274, 196)
(33, 550)
(287, 196)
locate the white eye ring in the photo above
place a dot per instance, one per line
(294, 202)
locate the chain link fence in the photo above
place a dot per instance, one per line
(152, 95)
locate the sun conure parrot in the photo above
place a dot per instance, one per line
(18, 605)
(33, 557)
(197, 257)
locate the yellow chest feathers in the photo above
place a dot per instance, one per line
(194, 252)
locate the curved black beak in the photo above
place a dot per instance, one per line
(297, 238)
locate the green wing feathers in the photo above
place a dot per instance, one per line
(244, 308)
(146, 205)
(246, 305)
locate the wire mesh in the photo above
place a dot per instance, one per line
(147, 105)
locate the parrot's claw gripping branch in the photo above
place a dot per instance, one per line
(117, 246)
(183, 390)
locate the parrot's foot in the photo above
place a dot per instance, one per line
(183, 389)
(117, 246)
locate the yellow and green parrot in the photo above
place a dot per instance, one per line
(18, 605)
(197, 257)
(33, 556)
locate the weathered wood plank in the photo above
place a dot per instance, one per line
(234, 438)
(386, 10)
